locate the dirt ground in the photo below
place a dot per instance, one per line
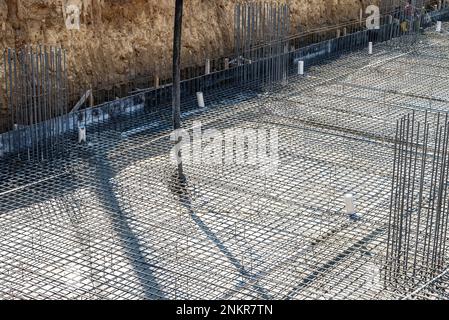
(118, 37)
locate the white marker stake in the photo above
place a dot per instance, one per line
(370, 48)
(226, 63)
(301, 68)
(81, 134)
(200, 98)
(439, 26)
(349, 202)
(207, 71)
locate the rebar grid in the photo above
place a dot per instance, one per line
(111, 221)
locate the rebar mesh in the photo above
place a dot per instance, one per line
(110, 220)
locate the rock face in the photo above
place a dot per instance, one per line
(121, 37)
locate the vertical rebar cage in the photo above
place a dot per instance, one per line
(261, 31)
(418, 219)
(36, 96)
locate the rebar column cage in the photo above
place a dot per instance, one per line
(261, 31)
(36, 92)
(419, 211)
